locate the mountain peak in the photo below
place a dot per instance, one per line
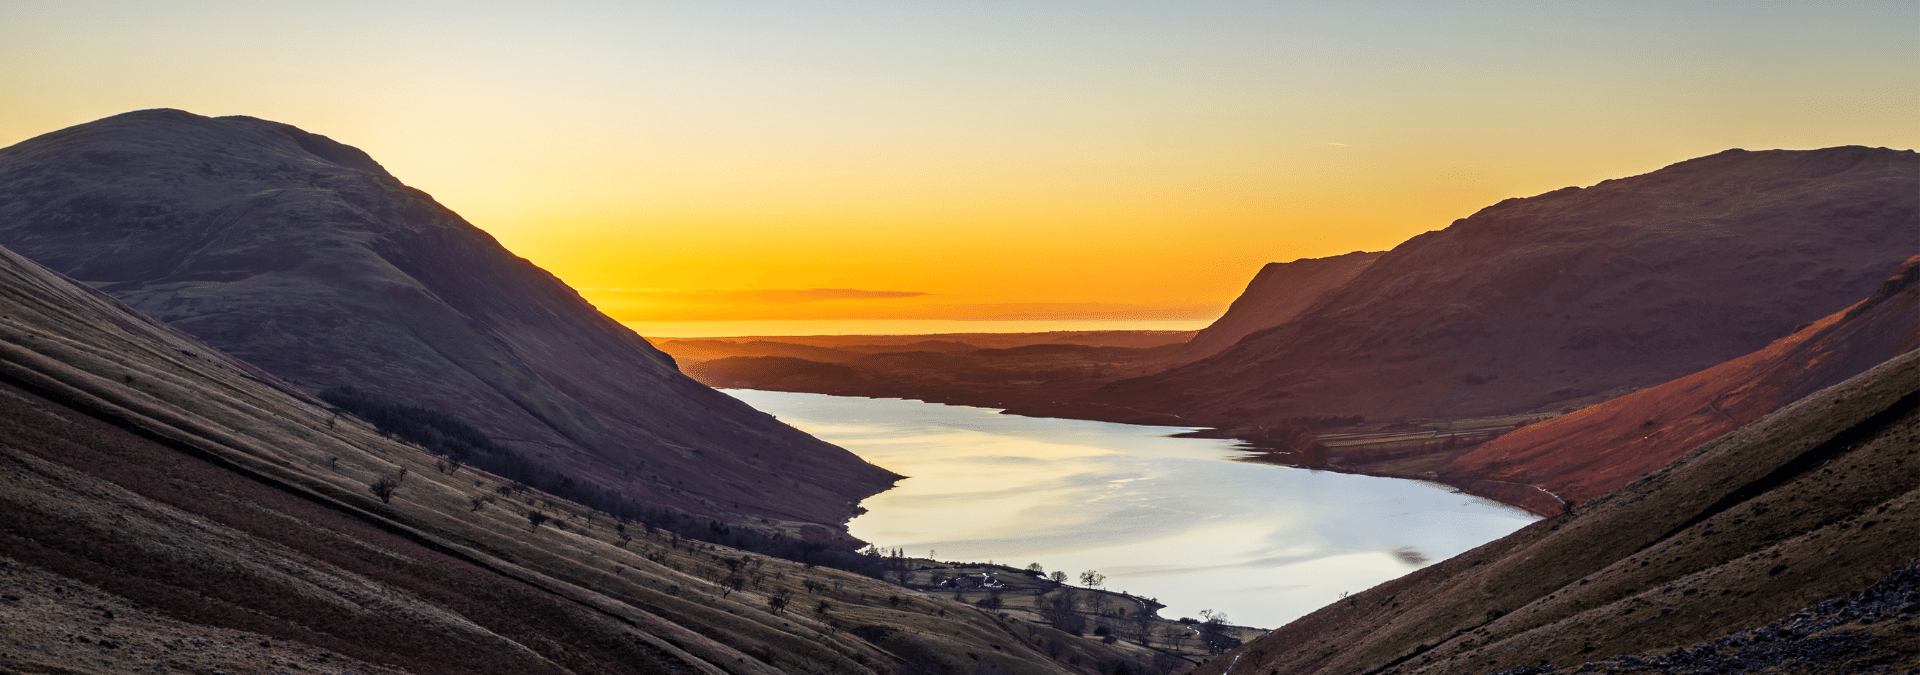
(1569, 297)
(219, 142)
(303, 256)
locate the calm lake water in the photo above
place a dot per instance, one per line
(1176, 519)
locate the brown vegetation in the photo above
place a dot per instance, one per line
(304, 257)
(979, 369)
(210, 520)
(1815, 501)
(1591, 451)
(1563, 299)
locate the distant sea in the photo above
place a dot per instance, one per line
(700, 329)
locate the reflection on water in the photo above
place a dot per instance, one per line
(1161, 517)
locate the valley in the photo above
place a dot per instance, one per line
(1175, 519)
(263, 406)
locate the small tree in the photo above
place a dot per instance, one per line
(536, 518)
(384, 486)
(777, 602)
(1092, 579)
(1036, 570)
(449, 465)
(1058, 610)
(477, 502)
(1143, 620)
(1213, 632)
(1059, 577)
(992, 601)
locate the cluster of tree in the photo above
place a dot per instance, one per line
(441, 433)
(1213, 632)
(886, 564)
(462, 443)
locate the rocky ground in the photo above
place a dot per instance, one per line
(1870, 631)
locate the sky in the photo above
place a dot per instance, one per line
(1005, 160)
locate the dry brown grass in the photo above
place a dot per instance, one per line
(167, 477)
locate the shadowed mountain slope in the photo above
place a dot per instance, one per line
(304, 257)
(1584, 454)
(1566, 298)
(1816, 501)
(1275, 296)
(166, 508)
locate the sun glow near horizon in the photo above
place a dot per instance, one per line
(1072, 160)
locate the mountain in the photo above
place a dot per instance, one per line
(304, 257)
(1581, 455)
(1277, 294)
(1782, 545)
(1564, 299)
(165, 507)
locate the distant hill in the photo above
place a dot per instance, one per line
(304, 257)
(1563, 299)
(1593, 450)
(1786, 544)
(1277, 294)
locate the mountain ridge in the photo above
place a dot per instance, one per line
(303, 256)
(1584, 454)
(165, 509)
(1279, 292)
(1638, 280)
(1816, 501)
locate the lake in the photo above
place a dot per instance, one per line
(1177, 519)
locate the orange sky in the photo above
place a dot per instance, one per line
(723, 159)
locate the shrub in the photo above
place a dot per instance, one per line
(384, 486)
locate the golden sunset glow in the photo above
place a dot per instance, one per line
(1072, 161)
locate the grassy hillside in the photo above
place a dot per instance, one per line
(1814, 502)
(166, 508)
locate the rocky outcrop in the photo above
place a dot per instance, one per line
(304, 257)
(1567, 298)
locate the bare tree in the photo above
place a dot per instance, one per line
(1213, 632)
(1092, 579)
(477, 502)
(1058, 610)
(449, 465)
(1143, 620)
(384, 486)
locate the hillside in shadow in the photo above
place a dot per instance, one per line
(165, 507)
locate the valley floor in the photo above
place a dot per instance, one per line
(1032, 370)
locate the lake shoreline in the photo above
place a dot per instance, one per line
(1185, 518)
(1050, 375)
